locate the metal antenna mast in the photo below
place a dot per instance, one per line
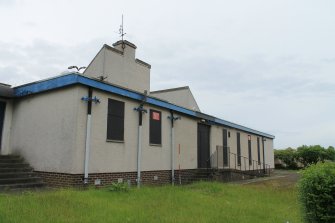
(122, 34)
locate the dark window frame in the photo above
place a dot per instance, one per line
(155, 129)
(115, 120)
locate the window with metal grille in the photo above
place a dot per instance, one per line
(155, 130)
(115, 120)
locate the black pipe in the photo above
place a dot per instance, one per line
(89, 101)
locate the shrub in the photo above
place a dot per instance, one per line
(317, 192)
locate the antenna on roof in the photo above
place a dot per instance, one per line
(122, 34)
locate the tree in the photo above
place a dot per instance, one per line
(308, 155)
(288, 156)
(330, 153)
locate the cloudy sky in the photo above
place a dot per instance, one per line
(265, 64)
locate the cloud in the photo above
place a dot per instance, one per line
(20, 64)
(8, 2)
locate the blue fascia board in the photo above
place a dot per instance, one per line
(246, 129)
(133, 95)
(50, 84)
(75, 78)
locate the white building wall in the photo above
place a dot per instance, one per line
(187, 137)
(269, 153)
(216, 139)
(120, 68)
(49, 131)
(44, 129)
(108, 156)
(179, 96)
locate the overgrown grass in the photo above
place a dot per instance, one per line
(200, 202)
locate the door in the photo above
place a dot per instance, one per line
(203, 146)
(225, 148)
(2, 118)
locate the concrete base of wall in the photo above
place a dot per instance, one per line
(159, 177)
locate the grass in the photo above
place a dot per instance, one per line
(200, 202)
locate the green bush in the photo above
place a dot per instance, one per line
(317, 192)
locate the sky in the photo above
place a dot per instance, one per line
(265, 64)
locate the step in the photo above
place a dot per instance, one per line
(6, 157)
(12, 160)
(15, 169)
(9, 187)
(7, 181)
(18, 165)
(17, 174)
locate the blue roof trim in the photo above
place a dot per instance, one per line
(75, 78)
(45, 85)
(236, 126)
(130, 94)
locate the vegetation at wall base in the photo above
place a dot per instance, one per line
(199, 202)
(317, 193)
(119, 187)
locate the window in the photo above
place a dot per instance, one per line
(249, 150)
(258, 151)
(115, 120)
(155, 127)
(238, 149)
(225, 148)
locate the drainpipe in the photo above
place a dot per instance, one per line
(89, 100)
(172, 118)
(140, 111)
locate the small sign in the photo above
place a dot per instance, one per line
(156, 116)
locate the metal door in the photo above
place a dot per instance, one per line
(203, 146)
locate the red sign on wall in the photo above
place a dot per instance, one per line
(156, 116)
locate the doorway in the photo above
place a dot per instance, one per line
(203, 146)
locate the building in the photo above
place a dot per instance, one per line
(105, 125)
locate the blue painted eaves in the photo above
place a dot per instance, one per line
(46, 85)
(75, 78)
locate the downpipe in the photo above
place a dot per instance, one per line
(87, 147)
(139, 155)
(89, 99)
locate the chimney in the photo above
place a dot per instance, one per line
(126, 47)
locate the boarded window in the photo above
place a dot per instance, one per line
(249, 150)
(225, 148)
(238, 149)
(258, 151)
(155, 127)
(115, 120)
